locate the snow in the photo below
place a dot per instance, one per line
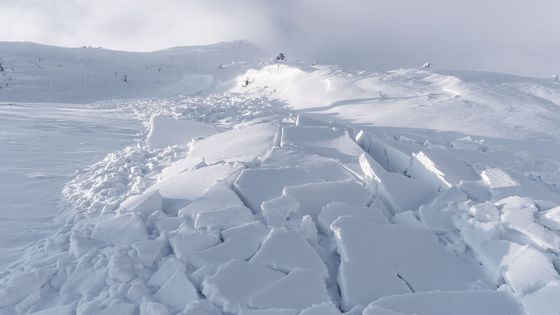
(312, 190)
(287, 250)
(168, 131)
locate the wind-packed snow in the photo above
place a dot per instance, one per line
(296, 190)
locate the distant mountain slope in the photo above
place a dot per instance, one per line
(39, 73)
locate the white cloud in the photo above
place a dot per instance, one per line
(513, 36)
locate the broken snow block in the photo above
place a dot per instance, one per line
(476, 190)
(330, 142)
(407, 219)
(240, 144)
(258, 185)
(314, 196)
(218, 196)
(301, 288)
(468, 144)
(144, 204)
(151, 251)
(236, 282)
(519, 214)
(168, 131)
(224, 252)
(184, 244)
(202, 307)
(287, 250)
(165, 270)
(544, 301)
(551, 218)
(177, 291)
(221, 219)
(436, 219)
(361, 283)
(440, 168)
(327, 308)
(268, 311)
(334, 210)
(120, 230)
(450, 302)
(153, 308)
(415, 254)
(486, 211)
(277, 211)
(398, 191)
(252, 231)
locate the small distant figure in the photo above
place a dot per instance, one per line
(280, 57)
(125, 78)
(1, 68)
(246, 82)
(555, 77)
(426, 65)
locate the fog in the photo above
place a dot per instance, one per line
(512, 36)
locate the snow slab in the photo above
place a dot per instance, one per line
(321, 309)
(330, 142)
(189, 241)
(450, 302)
(544, 301)
(177, 291)
(435, 219)
(120, 230)
(224, 218)
(313, 197)
(301, 288)
(255, 186)
(218, 196)
(398, 191)
(252, 231)
(334, 210)
(551, 218)
(277, 211)
(222, 253)
(149, 252)
(287, 250)
(168, 131)
(236, 282)
(415, 255)
(242, 144)
(143, 204)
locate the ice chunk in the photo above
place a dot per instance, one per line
(166, 269)
(468, 144)
(151, 251)
(334, 210)
(224, 218)
(137, 291)
(184, 244)
(144, 204)
(545, 301)
(435, 219)
(239, 144)
(361, 283)
(476, 190)
(253, 231)
(120, 230)
(321, 309)
(177, 291)
(519, 214)
(450, 302)
(486, 211)
(235, 282)
(407, 218)
(224, 252)
(314, 196)
(299, 289)
(286, 250)
(398, 191)
(202, 307)
(218, 196)
(153, 308)
(277, 211)
(498, 178)
(168, 131)
(551, 218)
(258, 185)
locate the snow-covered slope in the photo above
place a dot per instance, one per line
(313, 190)
(39, 73)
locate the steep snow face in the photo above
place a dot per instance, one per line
(472, 103)
(38, 73)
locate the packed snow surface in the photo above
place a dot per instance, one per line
(284, 188)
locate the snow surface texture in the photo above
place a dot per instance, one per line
(354, 205)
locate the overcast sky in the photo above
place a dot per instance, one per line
(514, 36)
